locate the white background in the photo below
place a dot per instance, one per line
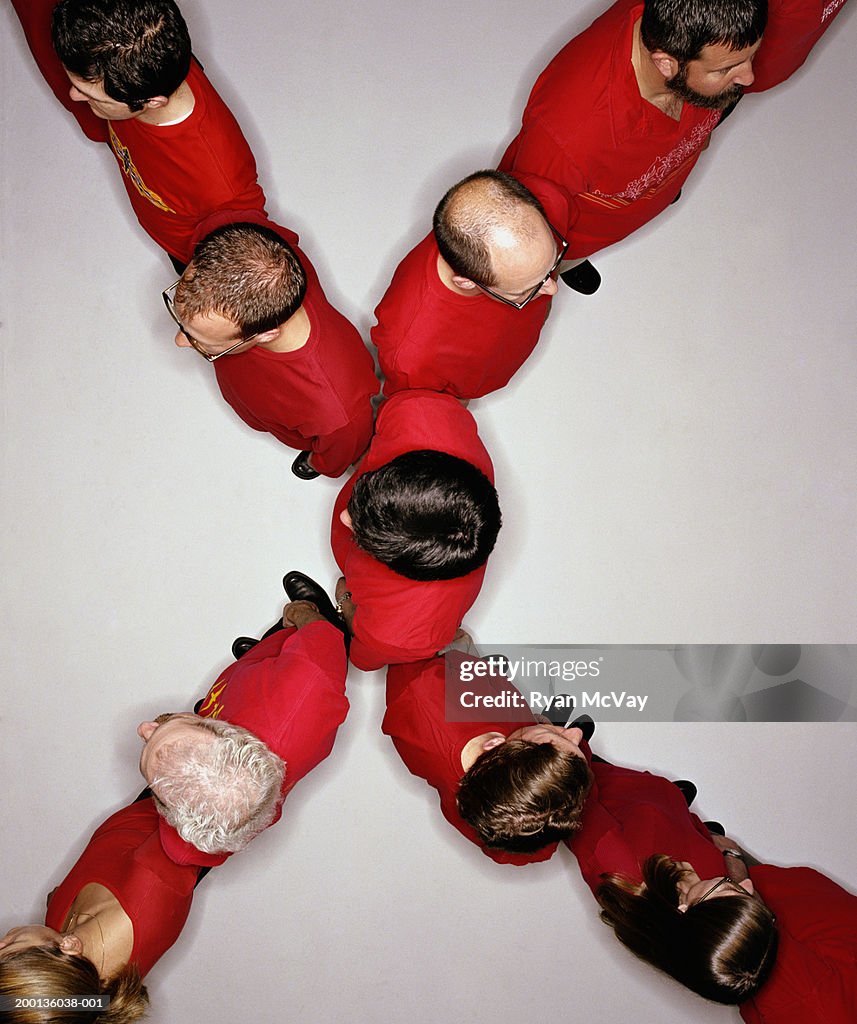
(675, 465)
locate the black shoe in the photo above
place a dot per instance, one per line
(586, 726)
(688, 790)
(241, 645)
(299, 587)
(715, 828)
(674, 201)
(583, 278)
(302, 468)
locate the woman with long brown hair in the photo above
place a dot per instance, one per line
(119, 909)
(667, 889)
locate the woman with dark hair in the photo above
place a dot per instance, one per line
(119, 909)
(668, 891)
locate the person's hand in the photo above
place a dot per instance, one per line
(736, 867)
(345, 603)
(300, 613)
(725, 843)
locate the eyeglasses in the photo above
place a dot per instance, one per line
(563, 249)
(168, 295)
(740, 891)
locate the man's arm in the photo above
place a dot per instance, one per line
(736, 867)
(35, 18)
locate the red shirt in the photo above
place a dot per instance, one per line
(317, 398)
(630, 815)
(289, 690)
(399, 619)
(794, 27)
(125, 856)
(431, 745)
(175, 175)
(814, 980)
(430, 337)
(178, 175)
(587, 127)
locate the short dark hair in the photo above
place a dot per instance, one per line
(470, 212)
(520, 795)
(723, 949)
(426, 515)
(682, 28)
(246, 273)
(136, 49)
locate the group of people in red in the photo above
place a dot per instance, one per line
(612, 129)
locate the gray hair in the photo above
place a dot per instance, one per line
(221, 793)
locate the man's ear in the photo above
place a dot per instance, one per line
(265, 336)
(463, 282)
(345, 519)
(667, 65)
(156, 102)
(495, 741)
(145, 730)
(748, 885)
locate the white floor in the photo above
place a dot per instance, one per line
(676, 465)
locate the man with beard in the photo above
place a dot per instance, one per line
(621, 114)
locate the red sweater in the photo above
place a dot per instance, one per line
(317, 398)
(177, 175)
(814, 980)
(430, 337)
(587, 127)
(630, 815)
(794, 27)
(399, 619)
(289, 690)
(125, 856)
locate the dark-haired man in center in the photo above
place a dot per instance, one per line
(621, 114)
(287, 362)
(465, 307)
(412, 531)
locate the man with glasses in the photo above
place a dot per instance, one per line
(465, 307)
(621, 114)
(287, 362)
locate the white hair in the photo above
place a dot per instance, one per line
(220, 793)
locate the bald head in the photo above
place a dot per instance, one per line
(492, 231)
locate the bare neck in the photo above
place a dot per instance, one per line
(292, 335)
(445, 273)
(650, 81)
(105, 931)
(177, 107)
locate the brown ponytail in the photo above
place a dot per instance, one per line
(723, 949)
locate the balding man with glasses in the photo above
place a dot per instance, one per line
(466, 307)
